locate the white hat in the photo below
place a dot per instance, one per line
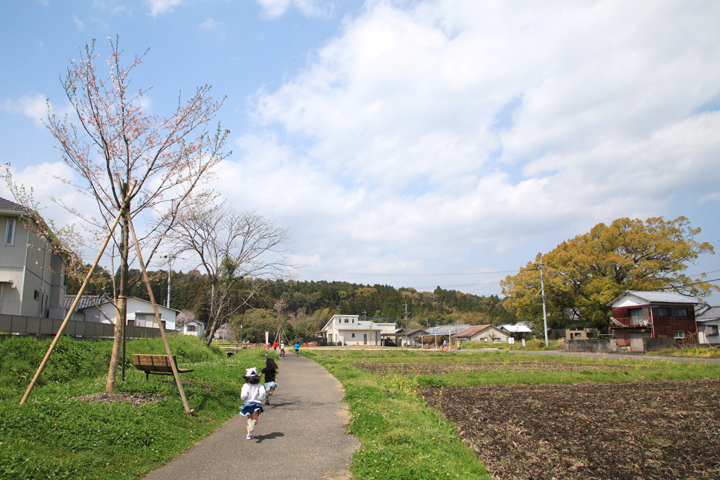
(251, 372)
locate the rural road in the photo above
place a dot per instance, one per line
(300, 436)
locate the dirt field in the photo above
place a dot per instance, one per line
(428, 368)
(650, 430)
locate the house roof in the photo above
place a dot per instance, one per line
(6, 206)
(709, 315)
(656, 297)
(517, 328)
(360, 325)
(85, 301)
(472, 331)
(415, 332)
(446, 329)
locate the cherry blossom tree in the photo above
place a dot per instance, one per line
(111, 141)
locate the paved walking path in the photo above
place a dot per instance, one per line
(300, 436)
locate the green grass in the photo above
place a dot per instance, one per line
(689, 352)
(54, 436)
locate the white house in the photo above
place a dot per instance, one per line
(192, 327)
(708, 322)
(350, 330)
(139, 312)
(32, 277)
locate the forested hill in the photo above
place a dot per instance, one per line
(323, 299)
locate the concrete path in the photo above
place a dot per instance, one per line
(300, 436)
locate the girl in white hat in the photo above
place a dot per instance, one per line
(252, 395)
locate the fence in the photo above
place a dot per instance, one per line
(50, 326)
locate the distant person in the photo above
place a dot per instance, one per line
(275, 345)
(282, 349)
(252, 395)
(297, 348)
(270, 371)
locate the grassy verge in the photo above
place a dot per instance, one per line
(401, 437)
(691, 352)
(56, 436)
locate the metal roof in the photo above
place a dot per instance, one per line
(713, 313)
(657, 297)
(446, 329)
(472, 330)
(517, 328)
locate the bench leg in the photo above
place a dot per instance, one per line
(147, 376)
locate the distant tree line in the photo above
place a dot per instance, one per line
(307, 306)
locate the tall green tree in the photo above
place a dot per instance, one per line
(582, 275)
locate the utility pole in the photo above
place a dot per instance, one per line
(170, 258)
(406, 314)
(542, 290)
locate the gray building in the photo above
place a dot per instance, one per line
(32, 276)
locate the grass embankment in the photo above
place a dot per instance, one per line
(403, 438)
(55, 436)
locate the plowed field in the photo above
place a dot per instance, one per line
(649, 430)
(438, 368)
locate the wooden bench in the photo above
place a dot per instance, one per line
(156, 365)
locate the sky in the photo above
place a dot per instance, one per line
(413, 143)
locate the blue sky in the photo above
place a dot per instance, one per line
(411, 143)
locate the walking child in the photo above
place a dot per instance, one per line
(252, 395)
(297, 347)
(270, 371)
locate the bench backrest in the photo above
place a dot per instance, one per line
(153, 363)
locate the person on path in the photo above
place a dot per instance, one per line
(282, 349)
(252, 395)
(297, 347)
(270, 371)
(275, 345)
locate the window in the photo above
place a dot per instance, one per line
(678, 334)
(353, 335)
(661, 312)
(679, 312)
(710, 330)
(191, 328)
(36, 295)
(10, 231)
(346, 320)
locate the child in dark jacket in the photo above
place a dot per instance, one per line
(270, 371)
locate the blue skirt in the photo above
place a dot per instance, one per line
(251, 408)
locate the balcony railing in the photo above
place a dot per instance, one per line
(629, 322)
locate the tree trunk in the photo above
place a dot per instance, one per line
(214, 315)
(121, 310)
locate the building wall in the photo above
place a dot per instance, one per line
(704, 338)
(36, 273)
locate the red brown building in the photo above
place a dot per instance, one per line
(637, 315)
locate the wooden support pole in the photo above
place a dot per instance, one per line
(77, 297)
(157, 317)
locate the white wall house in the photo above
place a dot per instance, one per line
(708, 322)
(139, 312)
(32, 278)
(350, 330)
(192, 327)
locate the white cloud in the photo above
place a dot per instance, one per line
(161, 7)
(309, 8)
(403, 110)
(78, 23)
(210, 25)
(33, 106)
